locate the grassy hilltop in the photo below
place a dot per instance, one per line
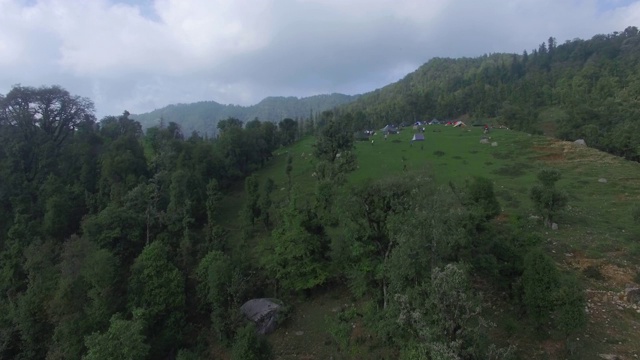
(597, 237)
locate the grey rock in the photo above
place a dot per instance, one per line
(602, 180)
(494, 144)
(554, 226)
(484, 141)
(263, 312)
(580, 142)
(632, 294)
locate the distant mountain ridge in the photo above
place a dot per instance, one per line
(203, 116)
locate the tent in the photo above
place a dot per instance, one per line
(459, 123)
(418, 137)
(389, 129)
(263, 312)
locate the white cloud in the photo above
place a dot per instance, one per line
(142, 55)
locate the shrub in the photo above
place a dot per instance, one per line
(571, 302)
(540, 280)
(250, 346)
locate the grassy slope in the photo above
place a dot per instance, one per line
(596, 230)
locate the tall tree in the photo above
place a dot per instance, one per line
(156, 293)
(334, 138)
(288, 131)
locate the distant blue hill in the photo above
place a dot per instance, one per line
(203, 116)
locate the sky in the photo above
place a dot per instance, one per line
(139, 55)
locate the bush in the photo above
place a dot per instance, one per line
(540, 280)
(571, 302)
(250, 346)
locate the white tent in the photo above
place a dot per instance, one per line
(418, 137)
(459, 123)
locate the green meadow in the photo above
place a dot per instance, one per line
(596, 233)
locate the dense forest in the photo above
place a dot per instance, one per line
(203, 116)
(115, 242)
(580, 89)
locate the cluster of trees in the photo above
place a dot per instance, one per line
(111, 238)
(113, 244)
(580, 89)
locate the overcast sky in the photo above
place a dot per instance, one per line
(140, 55)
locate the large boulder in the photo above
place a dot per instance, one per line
(633, 294)
(263, 312)
(580, 142)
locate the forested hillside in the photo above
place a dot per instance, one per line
(203, 116)
(120, 244)
(104, 230)
(580, 89)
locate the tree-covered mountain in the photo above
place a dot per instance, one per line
(203, 116)
(580, 89)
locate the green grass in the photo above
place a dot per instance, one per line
(597, 225)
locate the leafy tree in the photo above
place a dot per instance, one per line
(288, 131)
(448, 324)
(548, 200)
(221, 287)
(296, 254)
(228, 124)
(42, 120)
(121, 230)
(123, 164)
(334, 139)
(370, 209)
(156, 291)
(123, 340)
